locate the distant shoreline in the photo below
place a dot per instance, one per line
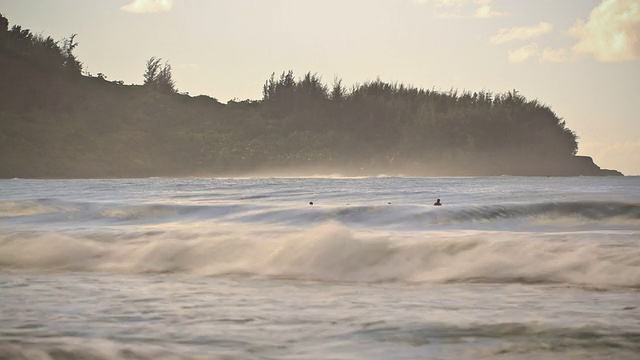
(293, 173)
(57, 122)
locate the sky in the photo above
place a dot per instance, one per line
(580, 57)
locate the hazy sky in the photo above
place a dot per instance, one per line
(581, 57)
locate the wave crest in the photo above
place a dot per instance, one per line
(333, 253)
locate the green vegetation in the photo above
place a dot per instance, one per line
(159, 77)
(56, 122)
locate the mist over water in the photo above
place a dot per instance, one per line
(508, 267)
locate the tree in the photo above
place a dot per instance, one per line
(280, 95)
(159, 77)
(151, 73)
(338, 91)
(71, 64)
(4, 27)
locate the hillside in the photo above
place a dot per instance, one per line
(56, 122)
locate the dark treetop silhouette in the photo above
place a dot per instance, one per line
(56, 121)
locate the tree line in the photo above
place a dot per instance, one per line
(395, 121)
(57, 122)
(45, 53)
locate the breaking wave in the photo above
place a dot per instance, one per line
(332, 252)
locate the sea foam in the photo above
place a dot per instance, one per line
(331, 252)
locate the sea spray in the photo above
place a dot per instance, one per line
(332, 252)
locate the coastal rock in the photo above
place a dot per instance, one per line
(585, 166)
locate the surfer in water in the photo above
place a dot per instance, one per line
(437, 203)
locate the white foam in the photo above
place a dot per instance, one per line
(333, 253)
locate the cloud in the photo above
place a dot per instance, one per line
(444, 3)
(463, 8)
(521, 33)
(449, 3)
(485, 11)
(523, 54)
(612, 32)
(530, 51)
(557, 55)
(148, 6)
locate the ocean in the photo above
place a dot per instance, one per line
(248, 268)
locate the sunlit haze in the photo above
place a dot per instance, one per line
(581, 57)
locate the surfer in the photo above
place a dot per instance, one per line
(437, 203)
